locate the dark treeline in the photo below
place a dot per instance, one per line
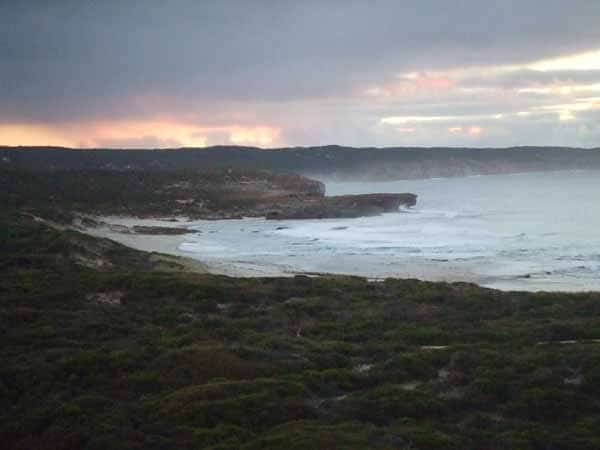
(328, 161)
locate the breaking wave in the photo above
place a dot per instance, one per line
(539, 229)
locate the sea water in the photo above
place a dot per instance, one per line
(534, 231)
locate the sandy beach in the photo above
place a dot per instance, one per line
(258, 248)
(170, 245)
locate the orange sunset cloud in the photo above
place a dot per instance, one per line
(164, 133)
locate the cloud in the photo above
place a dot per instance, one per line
(296, 73)
(134, 134)
(33, 134)
(135, 142)
(253, 136)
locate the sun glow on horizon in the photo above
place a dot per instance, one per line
(31, 134)
(132, 134)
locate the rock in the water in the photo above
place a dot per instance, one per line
(157, 230)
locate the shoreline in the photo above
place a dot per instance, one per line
(169, 244)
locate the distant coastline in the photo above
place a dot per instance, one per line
(324, 162)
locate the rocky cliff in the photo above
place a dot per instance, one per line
(220, 194)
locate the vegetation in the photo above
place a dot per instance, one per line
(333, 161)
(222, 194)
(128, 355)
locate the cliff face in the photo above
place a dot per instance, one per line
(224, 194)
(331, 162)
(343, 206)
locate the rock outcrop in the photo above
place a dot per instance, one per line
(157, 230)
(343, 206)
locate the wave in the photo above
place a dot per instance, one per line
(436, 213)
(485, 227)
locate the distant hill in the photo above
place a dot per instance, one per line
(342, 163)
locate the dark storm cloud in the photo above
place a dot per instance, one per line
(67, 58)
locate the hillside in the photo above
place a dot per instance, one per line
(216, 194)
(324, 162)
(132, 356)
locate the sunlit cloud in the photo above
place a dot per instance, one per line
(378, 91)
(560, 89)
(580, 61)
(399, 120)
(28, 134)
(406, 129)
(153, 133)
(409, 75)
(566, 111)
(186, 135)
(253, 136)
(470, 131)
(577, 106)
(410, 84)
(554, 92)
(566, 115)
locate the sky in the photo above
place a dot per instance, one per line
(276, 73)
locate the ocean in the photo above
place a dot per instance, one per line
(534, 231)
